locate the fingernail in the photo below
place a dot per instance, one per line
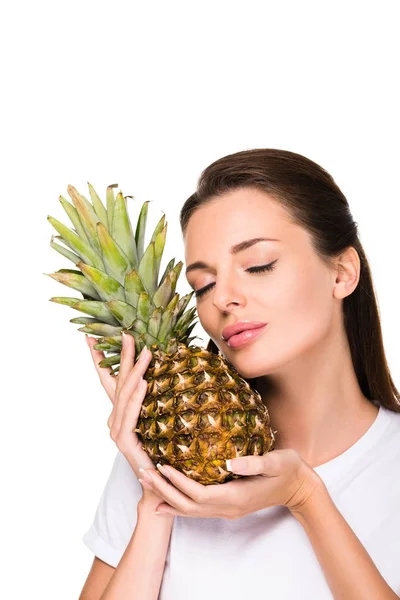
(123, 339)
(163, 470)
(143, 352)
(147, 477)
(237, 465)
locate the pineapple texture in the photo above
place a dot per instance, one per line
(198, 412)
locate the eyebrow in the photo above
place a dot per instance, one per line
(234, 250)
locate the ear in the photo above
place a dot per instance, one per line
(347, 273)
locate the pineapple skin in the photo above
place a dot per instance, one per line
(198, 412)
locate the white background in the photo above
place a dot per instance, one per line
(146, 95)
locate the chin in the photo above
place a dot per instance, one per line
(249, 374)
(245, 373)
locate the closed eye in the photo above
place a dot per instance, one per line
(259, 269)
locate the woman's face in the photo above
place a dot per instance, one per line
(295, 298)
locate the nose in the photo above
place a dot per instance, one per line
(227, 294)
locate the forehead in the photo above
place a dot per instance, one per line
(236, 215)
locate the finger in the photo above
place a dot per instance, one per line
(271, 464)
(166, 509)
(246, 465)
(213, 495)
(130, 417)
(127, 358)
(125, 391)
(199, 493)
(174, 497)
(123, 367)
(106, 374)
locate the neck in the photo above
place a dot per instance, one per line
(316, 405)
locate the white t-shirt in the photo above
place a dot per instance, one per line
(267, 554)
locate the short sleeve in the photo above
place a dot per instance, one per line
(116, 514)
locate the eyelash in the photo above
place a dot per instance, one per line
(260, 269)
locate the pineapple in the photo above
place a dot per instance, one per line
(197, 411)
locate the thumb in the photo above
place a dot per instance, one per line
(246, 465)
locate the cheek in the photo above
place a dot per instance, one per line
(301, 310)
(205, 319)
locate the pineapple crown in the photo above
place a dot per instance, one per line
(118, 276)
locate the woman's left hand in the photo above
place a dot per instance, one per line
(280, 477)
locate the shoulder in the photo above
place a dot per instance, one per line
(384, 453)
(392, 420)
(385, 434)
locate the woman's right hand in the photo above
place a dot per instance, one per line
(126, 392)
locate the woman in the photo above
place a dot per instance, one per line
(318, 517)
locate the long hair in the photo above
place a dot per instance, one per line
(312, 200)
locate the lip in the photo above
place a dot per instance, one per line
(240, 326)
(244, 337)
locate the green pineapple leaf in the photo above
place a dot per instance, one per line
(158, 228)
(184, 321)
(141, 229)
(166, 290)
(74, 218)
(145, 307)
(115, 260)
(159, 244)
(147, 271)
(109, 361)
(168, 268)
(96, 309)
(155, 323)
(87, 217)
(106, 347)
(82, 249)
(133, 287)
(110, 204)
(64, 251)
(107, 287)
(150, 339)
(114, 340)
(103, 329)
(184, 301)
(125, 313)
(75, 281)
(83, 320)
(65, 300)
(98, 205)
(167, 319)
(122, 231)
(138, 326)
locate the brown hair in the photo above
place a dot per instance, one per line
(314, 201)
